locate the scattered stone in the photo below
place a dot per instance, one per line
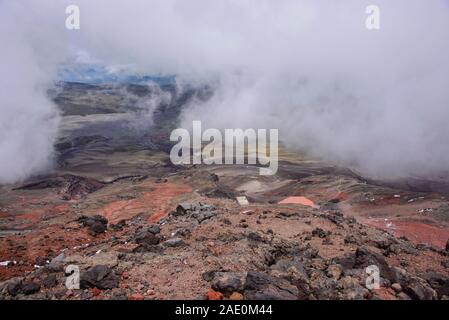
(213, 177)
(214, 295)
(28, 288)
(438, 282)
(96, 224)
(243, 201)
(14, 288)
(236, 296)
(228, 282)
(21, 287)
(50, 281)
(154, 229)
(202, 216)
(396, 287)
(255, 236)
(200, 212)
(364, 258)
(292, 267)
(418, 289)
(146, 239)
(334, 271)
(99, 276)
(403, 296)
(336, 218)
(57, 263)
(318, 232)
(109, 259)
(175, 242)
(119, 225)
(261, 286)
(350, 239)
(183, 209)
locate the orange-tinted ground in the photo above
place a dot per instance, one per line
(300, 214)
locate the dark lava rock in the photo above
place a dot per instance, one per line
(255, 236)
(182, 209)
(78, 187)
(365, 258)
(202, 216)
(50, 281)
(96, 224)
(56, 264)
(418, 289)
(336, 218)
(154, 229)
(318, 232)
(14, 288)
(438, 282)
(221, 191)
(70, 186)
(175, 242)
(97, 227)
(310, 253)
(30, 287)
(213, 177)
(288, 265)
(100, 276)
(146, 238)
(147, 241)
(209, 275)
(228, 282)
(198, 211)
(26, 288)
(350, 239)
(119, 225)
(261, 286)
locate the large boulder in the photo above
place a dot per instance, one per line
(261, 286)
(95, 224)
(100, 276)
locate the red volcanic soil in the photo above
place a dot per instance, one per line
(416, 232)
(157, 201)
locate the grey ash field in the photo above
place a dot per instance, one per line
(140, 228)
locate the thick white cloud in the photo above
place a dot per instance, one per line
(374, 100)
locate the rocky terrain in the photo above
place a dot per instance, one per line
(138, 227)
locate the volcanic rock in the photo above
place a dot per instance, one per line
(27, 288)
(56, 264)
(175, 242)
(100, 276)
(96, 224)
(229, 282)
(438, 282)
(50, 281)
(318, 232)
(261, 286)
(418, 289)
